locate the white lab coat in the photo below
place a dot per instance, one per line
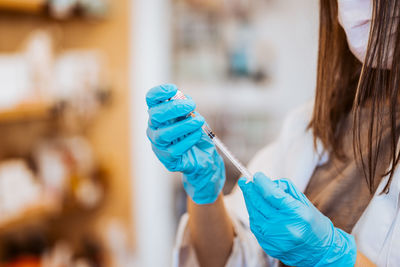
(293, 156)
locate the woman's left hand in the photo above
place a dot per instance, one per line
(289, 227)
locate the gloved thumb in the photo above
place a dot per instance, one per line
(287, 186)
(243, 184)
(269, 191)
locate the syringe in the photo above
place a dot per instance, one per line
(218, 143)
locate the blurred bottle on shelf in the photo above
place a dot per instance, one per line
(67, 166)
(37, 75)
(61, 173)
(219, 44)
(19, 188)
(63, 9)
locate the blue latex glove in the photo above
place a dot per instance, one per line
(289, 227)
(181, 145)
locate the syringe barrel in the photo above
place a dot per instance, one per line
(243, 170)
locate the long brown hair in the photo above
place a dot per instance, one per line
(344, 85)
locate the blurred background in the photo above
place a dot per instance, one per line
(79, 184)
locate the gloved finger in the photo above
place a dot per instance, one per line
(170, 110)
(184, 144)
(287, 186)
(159, 94)
(274, 195)
(170, 133)
(247, 195)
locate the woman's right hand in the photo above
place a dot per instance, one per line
(181, 145)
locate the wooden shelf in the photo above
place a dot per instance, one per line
(26, 6)
(44, 8)
(27, 112)
(37, 211)
(215, 5)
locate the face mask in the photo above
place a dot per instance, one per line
(355, 17)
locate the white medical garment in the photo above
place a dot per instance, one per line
(293, 156)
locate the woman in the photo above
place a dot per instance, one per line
(341, 152)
